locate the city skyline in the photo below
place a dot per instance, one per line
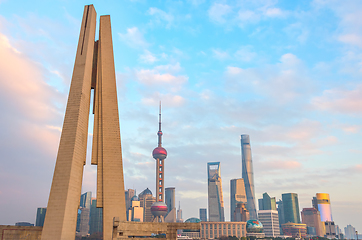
(291, 84)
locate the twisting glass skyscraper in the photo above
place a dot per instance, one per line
(216, 202)
(248, 175)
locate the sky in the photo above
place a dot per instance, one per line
(287, 73)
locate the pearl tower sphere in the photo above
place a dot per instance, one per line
(159, 208)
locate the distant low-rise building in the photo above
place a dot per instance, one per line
(213, 230)
(24, 224)
(295, 229)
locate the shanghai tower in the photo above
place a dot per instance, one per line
(248, 174)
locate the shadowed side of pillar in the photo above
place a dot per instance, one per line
(107, 153)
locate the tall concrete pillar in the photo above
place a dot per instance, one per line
(61, 217)
(107, 152)
(93, 68)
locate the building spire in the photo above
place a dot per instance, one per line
(159, 133)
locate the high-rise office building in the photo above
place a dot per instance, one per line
(237, 195)
(312, 218)
(96, 218)
(267, 203)
(146, 200)
(84, 213)
(40, 216)
(85, 200)
(128, 196)
(179, 213)
(350, 232)
(248, 174)
(241, 214)
(280, 215)
(291, 207)
(215, 197)
(324, 206)
(84, 221)
(170, 202)
(315, 203)
(170, 198)
(330, 229)
(135, 211)
(203, 214)
(270, 221)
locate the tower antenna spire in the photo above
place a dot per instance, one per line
(159, 129)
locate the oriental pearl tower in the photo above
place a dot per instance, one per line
(159, 208)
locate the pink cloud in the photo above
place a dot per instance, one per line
(340, 101)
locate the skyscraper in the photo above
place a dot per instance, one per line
(216, 202)
(170, 198)
(203, 214)
(280, 215)
(267, 203)
(237, 195)
(96, 216)
(324, 206)
(170, 202)
(128, 196)
(84, 213)
(85, 200)
(312, 218)
(270, 221)
(40, 216)
(146, 200)
(291, 207)
(179, 213)
(350, 232)
(248, 174)
(241, 214)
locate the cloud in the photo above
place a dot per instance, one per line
(284, 81)
(274, 12)
(352, 39)
(162, 76)
(219, 54)
(168, 100)
(29, 131)
(278, 165)
(217, 12)
(340, 101)
(134, 38)
(148, 57)
(160, 16)
(245, 54)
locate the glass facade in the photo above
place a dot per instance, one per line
(248, 174)
(237, 195)
(215, 197)
(291, 208)
(324, 206)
